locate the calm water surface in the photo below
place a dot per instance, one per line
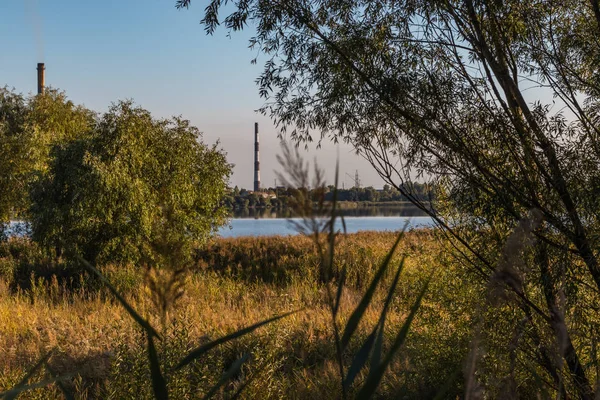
(267, 222)
(270, 222)
(281, 226)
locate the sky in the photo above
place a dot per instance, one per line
(99, 52)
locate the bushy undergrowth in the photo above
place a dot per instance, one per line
(456, 339)
(25, 267)
(273, 260)
(294, 357)
(284, 259)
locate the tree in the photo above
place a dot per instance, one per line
(371, 194)
(132, 186)
(253, 200)
(15, 162)
(29, 127)
(264, 202)
(497, 101)
(53, 120)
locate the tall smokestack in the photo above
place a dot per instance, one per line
(41, 81)
(256, 160)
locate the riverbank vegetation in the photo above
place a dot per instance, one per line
(279, 198)
(106, 184)
(236, 282)
(499, 301)
(497, 102)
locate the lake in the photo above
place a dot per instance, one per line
(270, 222)
(404, 210)
(282, 226)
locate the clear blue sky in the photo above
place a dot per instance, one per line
(103, 51)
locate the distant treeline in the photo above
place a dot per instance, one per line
(279, 197)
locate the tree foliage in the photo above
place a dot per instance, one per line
(134, 187)
(29, 126)
(497, 101)
(14, 160)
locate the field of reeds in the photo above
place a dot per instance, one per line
(234, 283)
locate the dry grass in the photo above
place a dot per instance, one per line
(96, 339)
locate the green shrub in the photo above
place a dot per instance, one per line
(285, 259)
(131, 189)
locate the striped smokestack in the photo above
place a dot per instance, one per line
(256, 160)
(41, 81)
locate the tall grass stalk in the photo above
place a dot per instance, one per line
(321, 220)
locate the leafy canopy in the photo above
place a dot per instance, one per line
(131, 189)
(496, 100)
(29, 126)
(14, 146)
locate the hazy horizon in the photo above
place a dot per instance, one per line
(160, 57)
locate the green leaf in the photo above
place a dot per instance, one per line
(140, 321)
(194, 354)
(377, 350)
(376, 356)
(375, 339)
(357, 314)
(231, 372)
(158, 381)
(376, 372)
(340, 289)
(360, 359)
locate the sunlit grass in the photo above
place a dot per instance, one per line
(95, 337)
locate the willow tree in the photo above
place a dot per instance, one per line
(29, 127)
(133, 189)
(14, 162)
(496, 100)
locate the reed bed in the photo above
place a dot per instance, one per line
(234, 282)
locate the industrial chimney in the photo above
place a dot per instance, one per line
(41, 81)
(256, 161)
